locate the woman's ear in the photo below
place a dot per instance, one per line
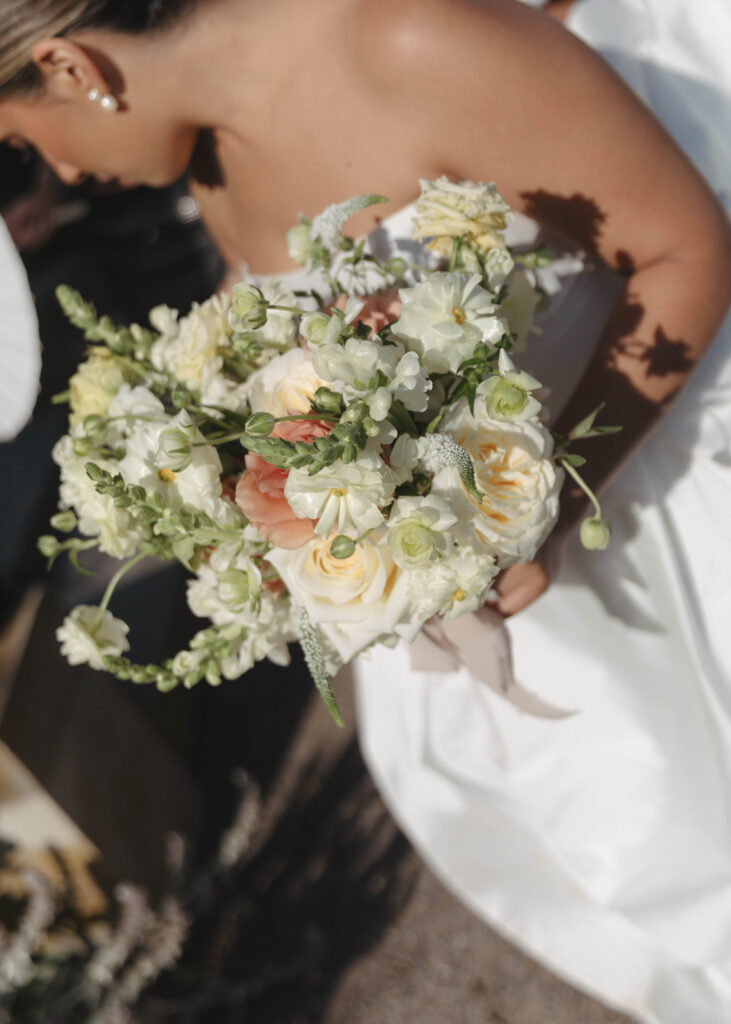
(67, 71)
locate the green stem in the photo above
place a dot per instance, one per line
(584, 486)
(112, 586)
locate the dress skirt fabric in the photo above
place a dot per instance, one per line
(601, 843)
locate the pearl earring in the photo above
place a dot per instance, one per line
(105, 100)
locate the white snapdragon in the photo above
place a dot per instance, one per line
(418, 529)
(444, 317)
(98, 516)
(344, 497)
(327, 328)
(251, 313)
(507, 395)
(285, 386)
(227, 587)
(516, 475)
(499, 265)
(87, 636)
(383, 373)
(197, 485)
(519, 307)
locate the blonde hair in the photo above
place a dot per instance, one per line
(23, 23)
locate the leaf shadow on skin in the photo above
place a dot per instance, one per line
(580, 220)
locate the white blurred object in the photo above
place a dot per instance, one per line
(20, 347)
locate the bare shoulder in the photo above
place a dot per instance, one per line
(411, 40)
(497, 90)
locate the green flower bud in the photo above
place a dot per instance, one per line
(234, 587)
(180, 397)
(299, 242)
(370, 426)
(329, 401)
(342, 547)
(595, 533)
(261, 424)
(48, 545)
(396, 266)
(82, 446)
(248, 308)
(176, 449)
(95, 425)
(64, 521)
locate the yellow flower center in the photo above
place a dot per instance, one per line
(166, 475)
(338, 492)
(459, 315)
(458, 595)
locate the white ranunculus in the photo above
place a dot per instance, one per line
(507, 395)
(418, 529)
(86, 637)
(345, 497)
(285, 386)
(198, 485)
(444, 317)
(516, 475)
(355, 602)
(453, 585)
(98, 516)
(198, 340)
(446, 210)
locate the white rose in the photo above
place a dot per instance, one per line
(88, 636)
(285, 386)
(356, 601)
(517, 477)
(444, 317)
(446, 210)
(345, 497)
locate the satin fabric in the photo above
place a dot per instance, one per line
(601, 843)
(20, 347)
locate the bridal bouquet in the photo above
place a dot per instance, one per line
(333, 471)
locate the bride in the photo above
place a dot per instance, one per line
(600, 842)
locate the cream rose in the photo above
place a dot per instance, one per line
(285, 386)
(355, 601)
(517, 477)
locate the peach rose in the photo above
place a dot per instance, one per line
(260, 491)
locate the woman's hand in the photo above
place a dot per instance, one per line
(519, 586)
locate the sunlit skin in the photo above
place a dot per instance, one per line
(310, 101)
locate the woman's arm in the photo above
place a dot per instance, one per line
(506, 94)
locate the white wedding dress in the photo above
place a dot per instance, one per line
(601, 843)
